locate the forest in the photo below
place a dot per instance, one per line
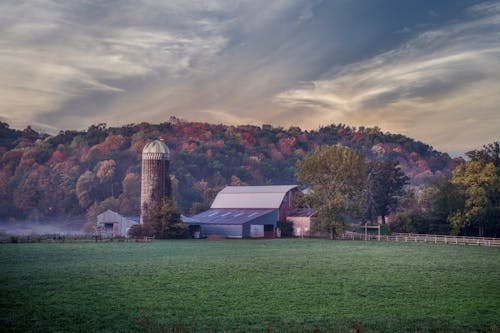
(81, 173)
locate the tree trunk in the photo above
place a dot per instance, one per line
(383, 219)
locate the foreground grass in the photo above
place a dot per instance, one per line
(239, 285)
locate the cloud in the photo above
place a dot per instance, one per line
(438, 87)
(73, 63)
(53, 53)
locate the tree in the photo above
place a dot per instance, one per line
(385, 184)
(479, 183)
(489, 154)
(85, 189)
(410, 222)
(336, 176)
(444, 198)
(130, 197)
(165, 220)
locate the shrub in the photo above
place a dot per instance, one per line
(286, 228)
(141, 230)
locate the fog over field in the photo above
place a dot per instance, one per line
(26, 228)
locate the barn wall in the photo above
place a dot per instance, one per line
(221, 230)
(287, 205)
(271, 218)
(120, 223)
(301, 225)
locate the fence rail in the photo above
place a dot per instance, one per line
(423, 238)
(60, 238)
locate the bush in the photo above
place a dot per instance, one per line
(141, 230)
(410, 222)
(286, 228)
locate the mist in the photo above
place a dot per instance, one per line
(27, 228)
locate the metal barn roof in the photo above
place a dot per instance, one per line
(251, 196)
(302, 212)
(227, 216)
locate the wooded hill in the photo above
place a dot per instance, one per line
(77, 173)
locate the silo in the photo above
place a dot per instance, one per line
(155, 181)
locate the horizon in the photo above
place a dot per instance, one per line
(424, 69)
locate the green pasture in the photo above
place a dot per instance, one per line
(249, 285)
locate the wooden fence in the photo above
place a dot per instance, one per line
(421, 238)
(61, 238)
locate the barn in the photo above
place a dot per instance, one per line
(112, 224)
(245, 212)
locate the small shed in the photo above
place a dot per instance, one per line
(113, 224)
(302, 221)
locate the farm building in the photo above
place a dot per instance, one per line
(155, 180)
(302, 221)
(113, 224)
(245, 212)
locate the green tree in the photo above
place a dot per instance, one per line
(337, 177)
(444, 198)
(479, 183)
(410, 222)
(385, 184)
(489, 154)
(165, 220)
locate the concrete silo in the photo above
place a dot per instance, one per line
(155, 181)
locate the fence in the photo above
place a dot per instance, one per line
(422, 238)
(446, 239)
(60, 238)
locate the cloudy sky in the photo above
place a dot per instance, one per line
(427, 69)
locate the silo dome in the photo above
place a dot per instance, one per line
(156, 147)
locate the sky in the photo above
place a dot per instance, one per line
(428, 69)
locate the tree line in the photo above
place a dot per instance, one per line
(80, 173)
(344, 186)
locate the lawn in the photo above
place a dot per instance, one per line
(249, 285)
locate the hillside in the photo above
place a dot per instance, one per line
(82, 172)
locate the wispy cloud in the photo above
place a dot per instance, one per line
(68, 64)
(51, 53)
(440, 86)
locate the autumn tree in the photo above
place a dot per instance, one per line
(479, 183)
(165, 220)
(86, 189)
(105, 172)
(336, 176)
(385, 184)
(130, 197)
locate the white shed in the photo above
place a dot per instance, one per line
(114, 224)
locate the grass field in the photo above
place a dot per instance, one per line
(249, 285)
